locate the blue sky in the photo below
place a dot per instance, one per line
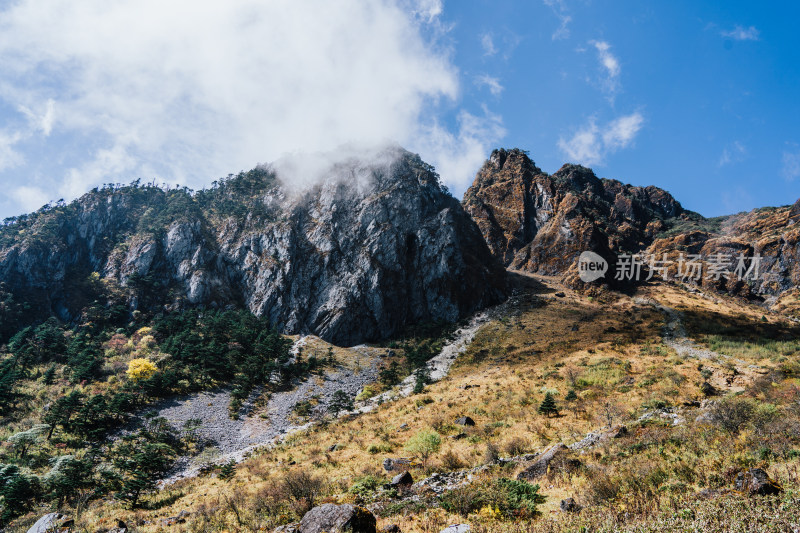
(695, 97)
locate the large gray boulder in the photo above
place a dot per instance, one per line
(330, 518)
(52, 523)
(756, 481)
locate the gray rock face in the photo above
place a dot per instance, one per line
(371, 248)
(330, 518)
(50, 523)
(757, 481)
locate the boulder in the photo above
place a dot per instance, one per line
(756, 481)
(52, 523)
(330, 518)
(557, 458)
(570, 506)
(402, 480)
(465, 421)
(708, 389)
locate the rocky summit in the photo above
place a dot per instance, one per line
(540, 223)
(371, 247)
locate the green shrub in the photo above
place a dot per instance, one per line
(510, 497)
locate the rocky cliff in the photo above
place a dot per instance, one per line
(541, 223)
(367, 250)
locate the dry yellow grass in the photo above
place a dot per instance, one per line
(608, 349)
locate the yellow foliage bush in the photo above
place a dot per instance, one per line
(140, 369)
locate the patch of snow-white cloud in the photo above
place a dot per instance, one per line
(592, 143)
(490, 82)
(740, 33)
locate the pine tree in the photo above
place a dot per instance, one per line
(340, 402)
(571, 396)
(227, 471)
(548, 406)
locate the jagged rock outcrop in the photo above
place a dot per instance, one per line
(770, 233)
(541, 223)
(372, 247)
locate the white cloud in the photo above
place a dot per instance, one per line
(591, 144)
(487, 43)
(733, 153)
(461, 154)
(428, 10)
(790, 169)
(559, 8)
(189, 91)
(9, 156)
(610, 66)
(29, 198)
(740, 33)
(41, 121)
(492, 83)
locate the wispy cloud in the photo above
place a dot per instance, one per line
(559, 8)
(733, 153)
(592, 143)
(740, 33)
(487, 43)
(790, 168)
(9, 156)
(30, 198)
(463, 152)
(490, 82)
(610, 67)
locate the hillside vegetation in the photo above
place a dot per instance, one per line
(693, 423)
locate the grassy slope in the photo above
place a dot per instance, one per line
(611, 353)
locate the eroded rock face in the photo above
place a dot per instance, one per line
(541, 223)
(368, 250)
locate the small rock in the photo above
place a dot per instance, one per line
(458, 528)
(570, 506)
(121, 527)
(459, 436)
(333, 448)
(560, 294)
(330, 518)
(403, 479)
(288, 528)
(757, 481)
(465, 421)
(391, 528)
